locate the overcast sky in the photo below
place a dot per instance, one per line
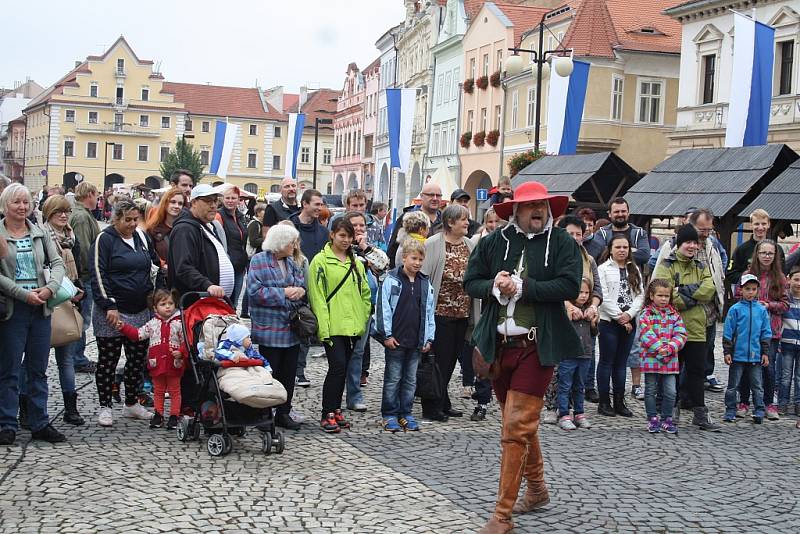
(228, 42)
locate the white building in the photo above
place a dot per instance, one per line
(706, 65)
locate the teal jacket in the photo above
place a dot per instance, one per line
(554, 267)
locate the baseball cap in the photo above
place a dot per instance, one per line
(459, 193)
(205, 190)
(749, 278)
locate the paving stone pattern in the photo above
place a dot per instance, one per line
(613, 478)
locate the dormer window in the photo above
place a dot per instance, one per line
(120, 66)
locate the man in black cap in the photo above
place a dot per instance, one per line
(460, 196)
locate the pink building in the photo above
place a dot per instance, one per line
(348, 127)
(15, 149)
(372, 85)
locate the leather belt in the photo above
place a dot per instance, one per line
(520, 341)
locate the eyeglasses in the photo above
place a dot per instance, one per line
(767, 254)
(210, 200)
(65, 212)
(434, 195)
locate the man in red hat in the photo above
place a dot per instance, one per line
(523, 273)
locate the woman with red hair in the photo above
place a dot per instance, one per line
(160, 221)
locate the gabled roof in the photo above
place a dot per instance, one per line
(781, 198)
(592, 31)
(58, 88)
(120, 41)
(720, 179)
(220, 101)
(290, 100)
(321, 103)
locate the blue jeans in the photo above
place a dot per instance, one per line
(738, 373)
(615, 346)
(768, 380)
(26, 332)
(238, 283)
(353, 381)
(790, 360)
(571, 378)
(399, 382)
(78, 348)
(666, 383)
(634, 357)
(66, 371)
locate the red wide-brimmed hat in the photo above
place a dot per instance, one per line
(528, 192)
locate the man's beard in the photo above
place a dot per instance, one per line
(619, 224)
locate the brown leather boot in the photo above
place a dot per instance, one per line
(536, 495)
(519, 429)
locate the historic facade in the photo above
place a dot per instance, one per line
(348, 131)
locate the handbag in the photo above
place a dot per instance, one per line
(66, 324)
(303, 322)
(429, 378)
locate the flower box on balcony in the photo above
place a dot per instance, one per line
(482, 82)
(479, 138)
(494, 79)
(492, 137)
(469, 85)
(466, 137)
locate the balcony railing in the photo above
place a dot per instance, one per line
(112, 128)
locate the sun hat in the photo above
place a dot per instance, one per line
(529, 192)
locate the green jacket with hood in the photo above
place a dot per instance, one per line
(347, 312)
(554, 267)
(683, 271)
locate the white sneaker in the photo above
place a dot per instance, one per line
(358, 407)
(566, 423)
(550, 417)
(137, 411)
(296, 416)
(582, 422)
(105, 417)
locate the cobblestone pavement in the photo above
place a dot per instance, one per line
(614, 478)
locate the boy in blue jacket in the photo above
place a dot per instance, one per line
(404, 324)
(745, 344)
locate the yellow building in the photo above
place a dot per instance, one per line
(631, 100)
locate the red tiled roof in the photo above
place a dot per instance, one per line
(58, 88)
(522, 17)
(219, 101)
(321, 103)
(290, 101)
(592, 31)
(374, 65)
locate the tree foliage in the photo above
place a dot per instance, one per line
(183, 156)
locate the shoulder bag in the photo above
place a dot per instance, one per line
(66, 324)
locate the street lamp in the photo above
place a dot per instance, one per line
(105, 163)
(317, 122)
(561, 63)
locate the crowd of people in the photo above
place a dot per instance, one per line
(545, 309)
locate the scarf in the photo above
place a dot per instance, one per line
(64, 241)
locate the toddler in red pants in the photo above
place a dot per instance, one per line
(165, 355)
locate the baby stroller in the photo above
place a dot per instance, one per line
(206, 320)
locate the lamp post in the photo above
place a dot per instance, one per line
(317, 122)
(562, 65)
(105, 163)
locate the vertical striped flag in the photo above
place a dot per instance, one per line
(565, 108)
(751, 83)
(400, 105)
(224, 137)
(297, 122)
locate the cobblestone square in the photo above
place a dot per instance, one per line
(614, 477)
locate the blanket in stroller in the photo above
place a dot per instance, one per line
(251, 386)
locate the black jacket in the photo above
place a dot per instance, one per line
(236, 237)
(313, 236)
(119, 274)
(277, 212)
(192, 261)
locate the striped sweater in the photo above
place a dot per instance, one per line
(791, 322)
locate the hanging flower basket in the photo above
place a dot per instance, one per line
(466, 137)
(482, 82)
(492, 137)
(494, 79)
(469, 85)
(479, 138)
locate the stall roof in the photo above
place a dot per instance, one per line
(588, 178)
(719, 179)
(781, 198)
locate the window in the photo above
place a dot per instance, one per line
(454, 88)
(709, 68)
(93, 90)
(448, 85)
(205, 126)
(440, 90)
(514, 109)
(144, 152)
(472, 68)
(69, 148)
(787, 59)
(483, 119)
(326, 156)
(277, 131)
(69, 115)
(617, 89)
(118, 122)
(470, 120)
(92, 117)
(453, 138)
(204, 157)
(120, 66)
(650, 93)
(444, 148)
(485, 64)
(117, 152)
(91, 150)
(252, 159)
(499, 61)
(530, 116)
(120, 96)
(145, 94)
(497, 113)
(187, 124)
(165, 154)
(435, 146)
(165, 122)
(144, 121)
(305, 154)
(253, 129)
(276, 162)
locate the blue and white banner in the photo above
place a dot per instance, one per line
(565, 108)
(751, 83)
(224, 137)
(400, 105)
(297, 122)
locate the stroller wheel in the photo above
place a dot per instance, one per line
(196, 429)
(266, 443)
(228, 443)
(280, 442)
(216, 445)
(183, 431)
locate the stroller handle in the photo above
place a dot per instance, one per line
(191, 296)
